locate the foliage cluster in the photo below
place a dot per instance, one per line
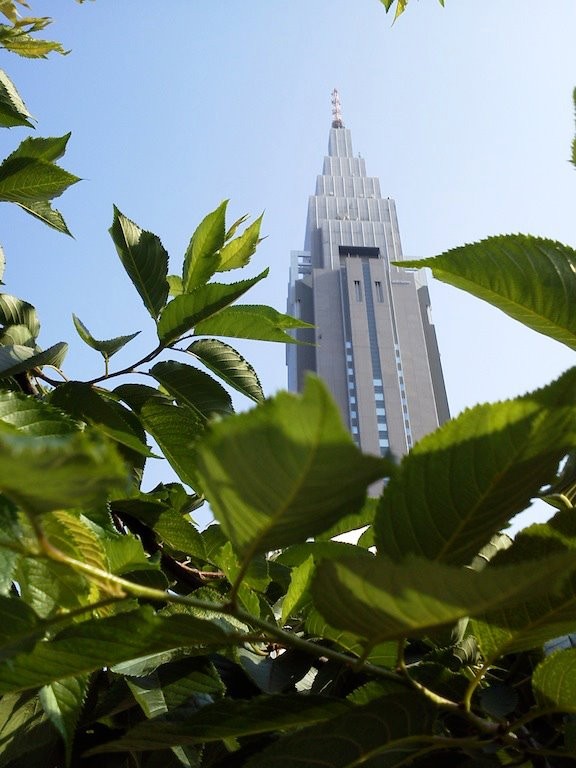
(131, 638)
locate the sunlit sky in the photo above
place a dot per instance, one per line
(465, 114)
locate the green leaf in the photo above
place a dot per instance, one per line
(233, 227)
(176, 430)
(18, 358)
(33, 417)
(381, 600)
(193, 388)
(144, 259)
(14, 311)
(229, 365)
(364, 517)
(538, 618)
(26, 735)
(43, 211)
(107, 347)
(283, 471)
(17, 334)
(251, 321)
(12, 109)
(16, 39)
(297, 593)
(175, 285)
(462, 483)
(29, 178)
(48, 149)
(357, 737)
(184, 312)
(237, 252)
(137, 395)
(96, 643)
(175, 530)
(151, 698)
(84, 402)
(59, 472)
(62, 701)
(383, 654)
(49, 588)
(225, 720)
(202, 258)
(554, 682)
(530, 278)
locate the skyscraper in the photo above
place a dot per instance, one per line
(373, 340)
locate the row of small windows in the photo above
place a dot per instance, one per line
(377, 288)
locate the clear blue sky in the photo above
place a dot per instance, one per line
(465, 114)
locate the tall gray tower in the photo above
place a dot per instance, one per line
(373, 340)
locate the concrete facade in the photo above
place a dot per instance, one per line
(374, 343)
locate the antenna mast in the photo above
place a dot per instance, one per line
(336, 110)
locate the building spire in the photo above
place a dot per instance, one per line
(336, 110)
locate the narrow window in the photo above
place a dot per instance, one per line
(357, 290)
(379, 291)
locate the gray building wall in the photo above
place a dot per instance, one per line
(373, 341)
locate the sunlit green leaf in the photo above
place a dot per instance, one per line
(42, 210)
(12, 109)
(63, 471)
(184, 312)
(16, 39)
(96, 643)
(229, 365)
(144, 259)
(14, 311)
(193, 388)
(237, 252)
(540, 617)
(300, 581)
(62, 702)
(462, 483)
(48, 588)
(381, 600)
(554, 681)
(175, 285)
(107, 347)
(39, 148)
(283, 471)
(202, 258)
(34, 417)
(18, 358)
(251, 321)
(530, 278)
(355, 522)
(30, 178)
(25, 180)
(26, 735)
